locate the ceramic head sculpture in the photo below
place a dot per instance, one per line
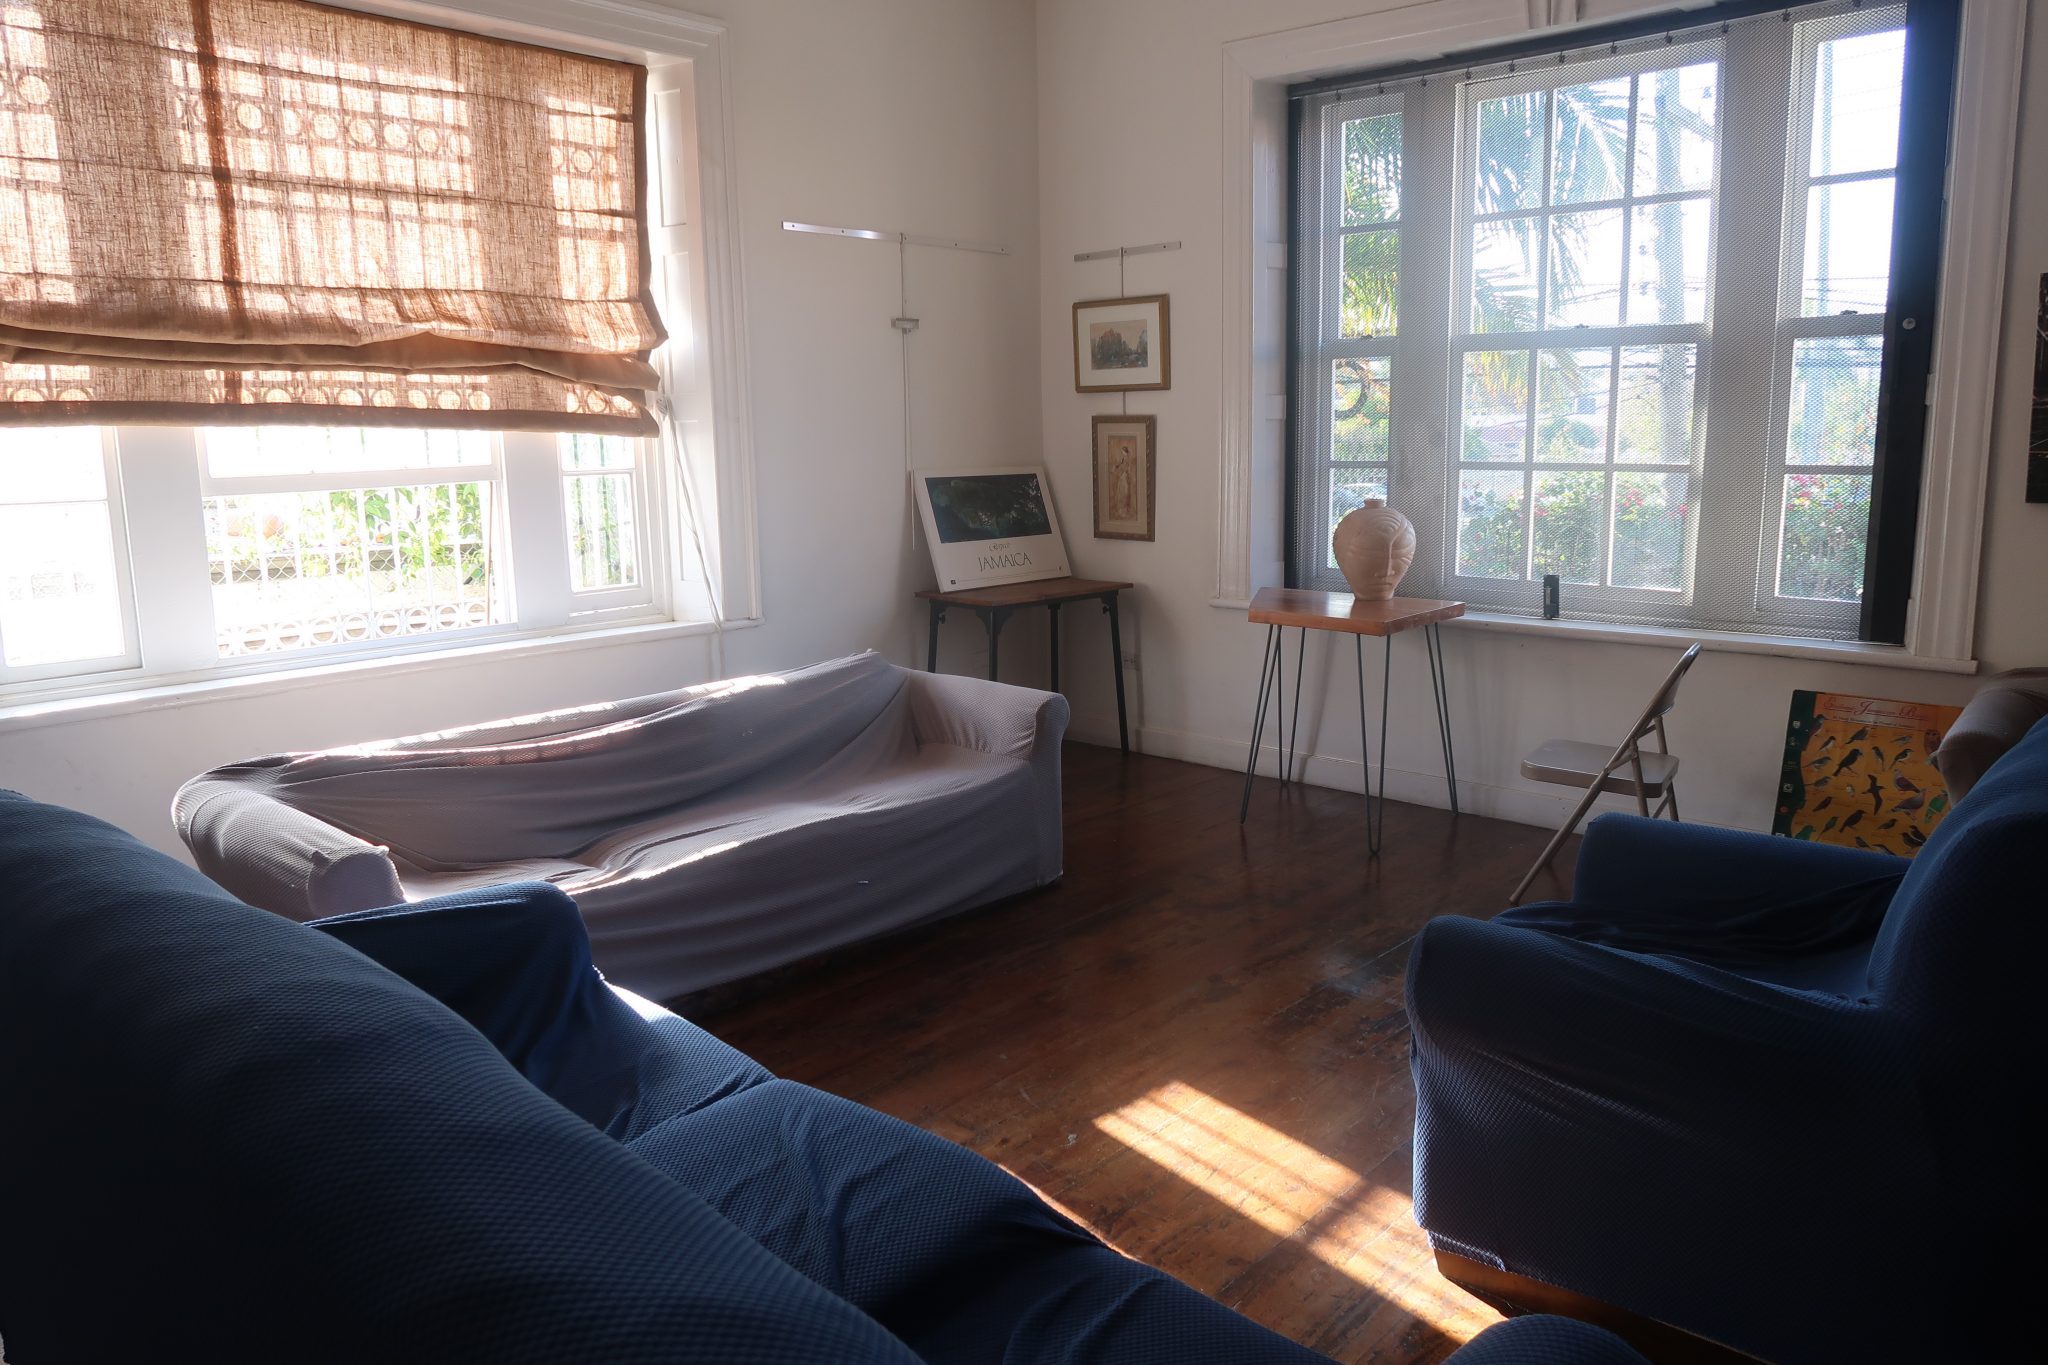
(1374, 546)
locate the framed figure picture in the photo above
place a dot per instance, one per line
(990, 525)
(1126, 487)
(1122, 345)
(2037, 441)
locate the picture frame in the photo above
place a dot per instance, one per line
(1122, 345)
(988, 526)
(2037, 435)
(1126, 476)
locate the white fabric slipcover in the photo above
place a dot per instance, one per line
(705, 834)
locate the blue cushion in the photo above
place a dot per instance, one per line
(946, 1250)
(515, 962)
(1544, 1340)
(230, 1138)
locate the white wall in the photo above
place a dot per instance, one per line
(1129, 152)
(916, 115)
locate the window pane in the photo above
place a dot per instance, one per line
(1834, 400)
(1848, 248)
(52, 464)
(1372, 265)
(1504, 258)
(1490, 524)
(1821, 542)
(244, 452)
(1585, 270)
(603, 551)
(294, 570)
(1349, 488)
(1372, 170)
(1510, 170)
(1649, 530)
(1654, 422)
(1589, 149)
(59, 597)
(1571, 511)
(1857, 85)
(1496, 405)
(1668, 280)
(1676, 128)
(1571, 405)
(582, 450)
(1360, 407)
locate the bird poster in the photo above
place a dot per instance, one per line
(1859, 771)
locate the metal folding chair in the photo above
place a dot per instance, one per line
(1628, 770)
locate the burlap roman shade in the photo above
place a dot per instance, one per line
(271, 211)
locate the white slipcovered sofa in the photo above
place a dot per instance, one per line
(705, 834)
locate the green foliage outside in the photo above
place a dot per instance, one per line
(1827, 517)
(428, 535)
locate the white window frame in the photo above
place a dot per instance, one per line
(1732, 470)
(124, 579)
(1331, 346)
(696, 497)
(1593, 600)
(1793, 325)
(1254, 138)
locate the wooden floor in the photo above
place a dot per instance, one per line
(1195, 1044)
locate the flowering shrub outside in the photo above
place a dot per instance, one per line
(1827, 517)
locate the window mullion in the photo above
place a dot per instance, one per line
(172, 576)
(536, 530)
(1740, 360)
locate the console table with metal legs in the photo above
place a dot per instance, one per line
(995, 605)
(1343, 614)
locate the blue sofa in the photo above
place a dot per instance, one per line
(1759, 1090)
(433, 1133)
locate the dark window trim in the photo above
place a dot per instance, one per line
(1290, 433)
(1569, 39)
(1927, 102)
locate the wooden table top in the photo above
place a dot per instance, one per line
(1343, 612)
(1042, 592)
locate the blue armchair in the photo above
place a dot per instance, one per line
(1751, 1088)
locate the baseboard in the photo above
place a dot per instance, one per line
(1408, 785)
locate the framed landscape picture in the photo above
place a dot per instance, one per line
(990, 525)
(1121, 345)
(1126, 485)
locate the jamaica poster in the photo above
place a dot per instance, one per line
(1859, 771)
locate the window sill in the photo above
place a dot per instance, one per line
(1721, 641)
(1717, 641)
(158, 694)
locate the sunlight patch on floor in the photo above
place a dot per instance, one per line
(1285, 1187)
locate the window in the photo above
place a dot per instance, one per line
(173, 501)
(64, 599)
(309, 542)
(1616, 314)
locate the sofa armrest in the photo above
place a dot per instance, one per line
(275, 856)
(974, 713)
(506, 958)
(514, 962)
(1011, 722)
(1996, 719)
(1627, 859)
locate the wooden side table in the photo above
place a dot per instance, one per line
(995, 605)
(1341, 613)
